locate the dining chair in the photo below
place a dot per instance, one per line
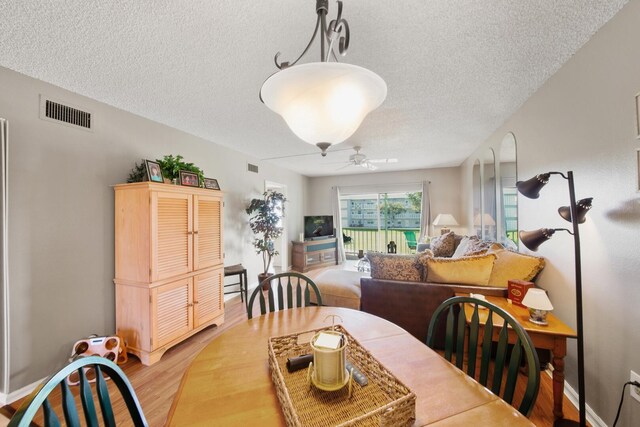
(289, 282)
(80, 368)
(499, 326)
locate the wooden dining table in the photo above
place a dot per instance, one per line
(229, 383)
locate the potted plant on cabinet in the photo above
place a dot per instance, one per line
(265, 221)
(171, 167)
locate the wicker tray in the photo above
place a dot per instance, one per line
(384, 401)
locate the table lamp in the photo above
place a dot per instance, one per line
(537, 301)
(486, 220)
(444, 221)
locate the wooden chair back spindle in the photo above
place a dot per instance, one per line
(297, 288)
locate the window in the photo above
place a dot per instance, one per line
(372, 220)
(510, 206)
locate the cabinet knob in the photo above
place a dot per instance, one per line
(195, 232)
(195, 302)
(189, 305)
(190, 233)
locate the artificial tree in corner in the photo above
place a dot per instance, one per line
(264, 220)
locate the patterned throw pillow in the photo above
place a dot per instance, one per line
(394, 267)
(462, 247)
(422, 262)
(476, 244)
(444, 245)
(514, 265)
(473, 270)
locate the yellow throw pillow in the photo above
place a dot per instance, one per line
(472, 270)
(514, 265)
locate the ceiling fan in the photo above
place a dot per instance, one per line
(359, 159)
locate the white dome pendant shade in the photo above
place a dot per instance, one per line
(323, 102)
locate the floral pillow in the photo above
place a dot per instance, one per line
(422, 259)
(394, 267)
(444, 245)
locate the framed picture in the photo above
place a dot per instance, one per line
(189, 179)
(638, 115)
(211, 184)
(154, 172)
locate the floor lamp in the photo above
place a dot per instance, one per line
(576, 214)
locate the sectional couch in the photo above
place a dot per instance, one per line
(407, 289)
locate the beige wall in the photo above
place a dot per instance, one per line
(444, 189)
(583, 119)
(61, 246)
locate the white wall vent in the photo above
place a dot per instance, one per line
(55, 111)
(252, 168)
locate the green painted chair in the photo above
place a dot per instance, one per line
(289, 282)
(410, 236)
(40, 396)
(457, 330)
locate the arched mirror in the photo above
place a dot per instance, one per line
(508, 191)
(488, 219)
(477, 196)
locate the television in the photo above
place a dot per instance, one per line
(318, 227)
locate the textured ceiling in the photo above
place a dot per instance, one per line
(455, 69)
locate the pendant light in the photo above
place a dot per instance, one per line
(324, 102)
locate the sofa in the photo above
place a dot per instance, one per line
(407, 289)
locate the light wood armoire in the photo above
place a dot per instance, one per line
(169, 265)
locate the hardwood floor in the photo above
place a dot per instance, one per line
(156, 385)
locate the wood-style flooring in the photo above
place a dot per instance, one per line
(157, 385)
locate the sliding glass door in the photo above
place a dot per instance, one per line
(371, 221)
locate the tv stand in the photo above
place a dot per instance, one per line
(314, 254)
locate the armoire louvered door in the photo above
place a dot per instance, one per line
(207, 245)
(208, 298)
(172, 234)
(171, 311)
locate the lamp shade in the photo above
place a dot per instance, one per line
(531, 187)
(533, 239)
(487, 220)
(537, 298)
(582, 208)
(444, 220)
(323, 102)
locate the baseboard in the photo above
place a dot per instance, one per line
(6, 399)
(573, 397)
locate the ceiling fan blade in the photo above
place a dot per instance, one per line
(383, 160)
(345, 166)
(306, 154)
(368, 165)
(336, 163)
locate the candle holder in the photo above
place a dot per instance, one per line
(328, 370)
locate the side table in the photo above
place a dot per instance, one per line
(241, 272)
(551, 337)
